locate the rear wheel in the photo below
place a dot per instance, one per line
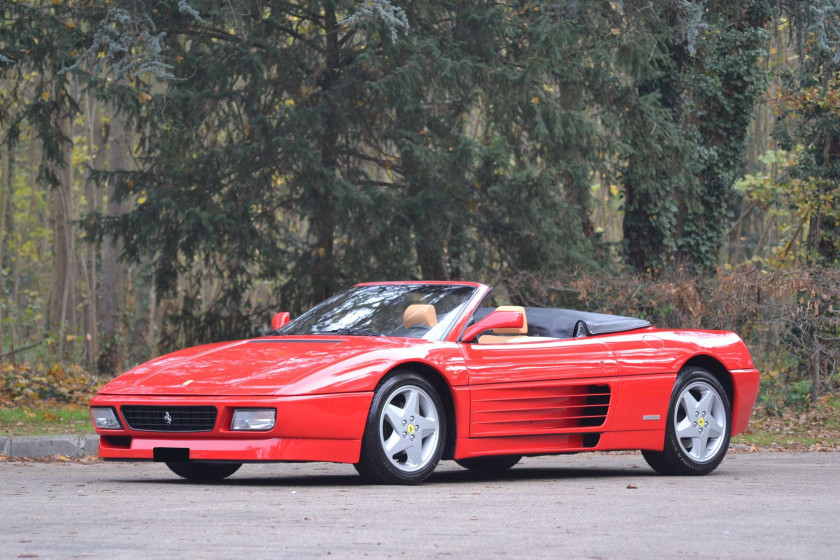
(490, 464)
(205, 472)
(697, 431)
(405, 432)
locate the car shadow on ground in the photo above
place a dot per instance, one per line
(315, 479)
(536, 473)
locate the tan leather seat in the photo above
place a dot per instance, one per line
(420, 314)
(500, 336)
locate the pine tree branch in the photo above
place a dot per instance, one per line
(222, 35)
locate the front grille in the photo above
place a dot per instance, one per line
(170, 418)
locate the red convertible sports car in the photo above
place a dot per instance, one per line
(395, 376)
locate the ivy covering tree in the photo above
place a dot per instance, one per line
(695, 107)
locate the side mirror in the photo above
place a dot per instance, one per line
(496, 320)
(279, 320)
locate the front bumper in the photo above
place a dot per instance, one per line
(745, 383)
(308, 428)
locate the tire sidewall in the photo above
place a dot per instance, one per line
(374, 462)
(672, 444)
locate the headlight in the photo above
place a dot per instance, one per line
(257, 419)
(105, 418)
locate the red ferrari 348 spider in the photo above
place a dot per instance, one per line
(395, 376)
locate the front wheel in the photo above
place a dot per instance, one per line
(698, 426)
(203, 472)
(405, 432)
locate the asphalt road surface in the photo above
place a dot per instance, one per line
(761, 505)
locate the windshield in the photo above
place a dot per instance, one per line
(406, 310)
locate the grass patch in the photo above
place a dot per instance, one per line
(47, 420)
(815, 428)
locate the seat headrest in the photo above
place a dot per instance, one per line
(521, 330)
(420, 314)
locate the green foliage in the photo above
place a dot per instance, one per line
(695, 110)
(36, 40)
(811, 103)
(310, 155)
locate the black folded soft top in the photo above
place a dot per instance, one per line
(569, 323)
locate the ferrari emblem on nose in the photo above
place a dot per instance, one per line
(167, 418)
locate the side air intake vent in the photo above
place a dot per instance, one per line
(597, 405)
(591, 440)
(544, 409)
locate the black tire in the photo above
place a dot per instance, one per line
(495, 463)
(694, 454)
(426, 426)
(203, 472)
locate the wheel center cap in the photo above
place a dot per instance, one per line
(701, 422)
(410, 428)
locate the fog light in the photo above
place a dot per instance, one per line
(105, 418)
(257, 419)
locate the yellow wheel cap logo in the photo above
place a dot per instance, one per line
(411, 428)
(701, 422)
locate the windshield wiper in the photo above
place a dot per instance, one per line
(352, 332)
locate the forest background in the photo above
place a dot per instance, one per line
(175, 171)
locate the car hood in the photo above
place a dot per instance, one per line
(262, 366)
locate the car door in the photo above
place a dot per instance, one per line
(539, 387)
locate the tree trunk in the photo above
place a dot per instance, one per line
(323, 219)
(427, 219)
(649, 181)
(5, 196)
(151, 335)
(579, 197)
(143, 316)
(815, 367)
(824, 230)
(426, 216)
(62, 310)
(119, 156)
(97, 140)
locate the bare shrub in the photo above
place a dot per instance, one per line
(789, 319)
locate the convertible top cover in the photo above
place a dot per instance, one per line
(569, 323)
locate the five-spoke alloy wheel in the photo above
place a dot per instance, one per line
(699, 421)
(405, 432)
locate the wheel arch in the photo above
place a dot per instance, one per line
(675, 458)
(716, 368)
(438, 381)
